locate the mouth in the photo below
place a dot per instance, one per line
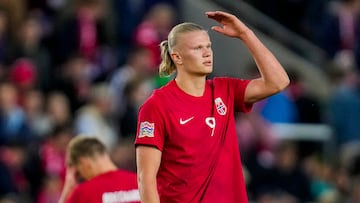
(208, 63)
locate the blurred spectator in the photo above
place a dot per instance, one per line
(307, 106)
(340, 27)
(94, 118)
(4, 43)
(13, 180)
(136, 92)
(271, 107)
(29, 45)
(52, 151)
(36, 117)
(315, 14)
(344, 105)
(24, 75)
(153, 29)
(72, 79)
(123, 155)
(51, 190)
(322, 176)
(52, 155)
(256, 140)
(13, 126)
(136, 66)
(87, 31)
(127, 16)
(58, 109)
(15, 12)
(285, 178)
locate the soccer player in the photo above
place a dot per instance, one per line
(92, 177)
(186, 145)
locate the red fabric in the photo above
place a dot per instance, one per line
(23, 72)
(197, 137)
(88, 37)
(115, 186)
(147, 36)
(53, 161)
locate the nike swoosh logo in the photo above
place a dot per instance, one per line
(182, 122)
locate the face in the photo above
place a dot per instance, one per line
(193, 54)
(83, 168)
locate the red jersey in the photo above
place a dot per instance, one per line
(111, 187)
(197, 136)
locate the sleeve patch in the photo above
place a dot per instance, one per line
(146, 129)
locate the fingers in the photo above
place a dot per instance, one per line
(218, 15)
(217, 29)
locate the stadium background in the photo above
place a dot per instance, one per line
(85, 66)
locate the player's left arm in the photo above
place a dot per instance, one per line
(273, 76)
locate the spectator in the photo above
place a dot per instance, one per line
(52, 156)
(343, 108)
(93, 118)
(153, 29)
(23, 74)
(87, 159)
(58, 109)
(137, 66)
(73, 80)
(13, 125)
(340, 27)
(286, 178)
(136, 92)
(35, 114)
(13, 180)
(29, 44)
(307, 107)
(86, 31)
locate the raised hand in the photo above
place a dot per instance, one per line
(230, 25)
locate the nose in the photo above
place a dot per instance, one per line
(207, 52)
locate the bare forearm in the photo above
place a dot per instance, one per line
(148, 192)
(272, 73)
(65, 193)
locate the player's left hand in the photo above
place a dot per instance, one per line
(231, 25)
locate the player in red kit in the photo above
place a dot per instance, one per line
(186, 145)
(102, 181)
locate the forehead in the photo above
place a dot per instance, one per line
(194, 38)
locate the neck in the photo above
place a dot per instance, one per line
(193, 86)
(104, 166)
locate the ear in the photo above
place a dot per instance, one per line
(175, 56)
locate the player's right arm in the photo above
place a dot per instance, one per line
(148, 160)
(69, 185)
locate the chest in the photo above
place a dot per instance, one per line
(197, 122)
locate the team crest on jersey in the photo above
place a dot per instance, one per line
(220, 106)
(146, 129)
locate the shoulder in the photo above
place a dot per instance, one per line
(158, 97)
(226, 81)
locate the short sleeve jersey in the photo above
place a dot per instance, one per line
(112, 187)
(197, 137)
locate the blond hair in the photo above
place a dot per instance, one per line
(167, 66)
(84, 146)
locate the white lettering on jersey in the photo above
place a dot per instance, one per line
(210, 121)
(121, 196)
(182, 122)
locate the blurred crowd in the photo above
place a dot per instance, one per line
(71, 67)
(298, 170)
